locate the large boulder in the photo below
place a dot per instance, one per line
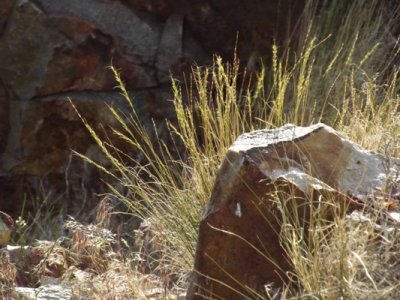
(239, 250)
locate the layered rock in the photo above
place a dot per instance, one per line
(56, 50)
(239, 249)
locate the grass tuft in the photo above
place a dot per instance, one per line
(339, 71)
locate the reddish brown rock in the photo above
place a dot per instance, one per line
(67, 46)
(239, 250)
(53, 50)
(51, 129)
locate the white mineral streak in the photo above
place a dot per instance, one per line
(238, 211)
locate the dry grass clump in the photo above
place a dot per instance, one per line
(334, 73)
(339, 71)
(369, 257)
(336, 257)
(8, 275)
(91, 262)
(104, 267)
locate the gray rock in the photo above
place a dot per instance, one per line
(171, 48)
(138, 37)
(26, 49)
(45, 292)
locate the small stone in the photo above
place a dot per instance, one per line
(45, 292)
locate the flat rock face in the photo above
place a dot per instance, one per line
(55, 50)
(238, 250)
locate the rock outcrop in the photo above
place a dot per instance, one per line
(239, 249)
(55, 50)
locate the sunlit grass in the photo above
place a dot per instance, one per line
(334, 72)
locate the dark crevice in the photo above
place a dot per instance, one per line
(93, 94)
(8, 15)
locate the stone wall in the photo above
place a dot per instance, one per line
(55, 50)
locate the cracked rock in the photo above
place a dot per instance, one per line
(241, 223)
